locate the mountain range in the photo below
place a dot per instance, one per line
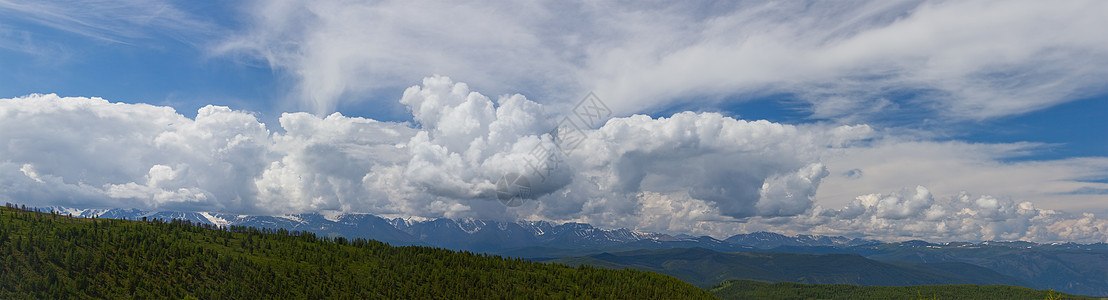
(522, 238)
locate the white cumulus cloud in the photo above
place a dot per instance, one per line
(446, 163)
(141, 155)
(701, 173)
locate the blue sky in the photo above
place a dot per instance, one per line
(978, 85)
(169, 72)
(159, 66)
(142, 65)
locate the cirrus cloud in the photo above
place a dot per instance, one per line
(864, 60)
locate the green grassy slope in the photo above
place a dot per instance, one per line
(50, 256)
(749, 289)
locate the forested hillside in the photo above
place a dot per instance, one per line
(48, 255)
(750, 289)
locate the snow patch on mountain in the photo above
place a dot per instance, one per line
(470, 226)
(293, 218)
(215, 220)
(332, 215)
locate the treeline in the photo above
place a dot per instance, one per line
(50, 255)
(750, 289)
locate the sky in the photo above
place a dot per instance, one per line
(894, 120)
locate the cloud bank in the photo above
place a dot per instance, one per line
(917, 214)
(700, 173)
(950, 167)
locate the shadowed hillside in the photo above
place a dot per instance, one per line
(704, 267)
(750, 289)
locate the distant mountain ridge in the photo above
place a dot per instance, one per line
(479, 235)
(473, 234)
(463, 234)
(770, 240)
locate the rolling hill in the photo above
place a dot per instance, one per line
(704, 267)
(1071, 268)
(750, 289)
(49, 255)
